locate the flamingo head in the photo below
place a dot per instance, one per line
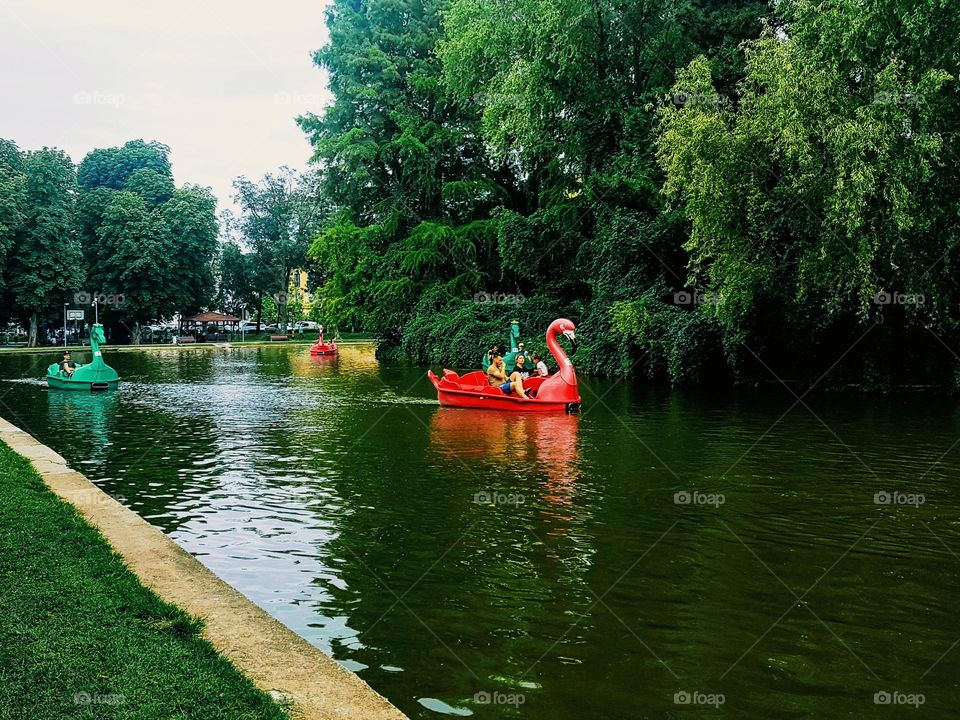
(564, 327)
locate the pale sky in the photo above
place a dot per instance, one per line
(219, 82)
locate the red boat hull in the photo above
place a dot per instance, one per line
(466, 392)
(324, 349)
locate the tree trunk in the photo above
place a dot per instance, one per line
(32, 335)
(284, 290)
(135, 333)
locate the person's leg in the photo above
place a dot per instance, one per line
(517, 381)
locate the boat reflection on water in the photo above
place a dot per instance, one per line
(84, 417)
(532, 443)
(350, 359)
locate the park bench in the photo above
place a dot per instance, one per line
(184, 340)
(278, 338)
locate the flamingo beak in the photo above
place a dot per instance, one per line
(573, 340)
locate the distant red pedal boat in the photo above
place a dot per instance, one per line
(323, 348)
(556, 393)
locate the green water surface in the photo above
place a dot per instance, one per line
(663, 554)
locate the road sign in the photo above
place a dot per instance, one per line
(74, 314)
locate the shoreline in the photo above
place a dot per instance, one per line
(269, 654)
(55, 349)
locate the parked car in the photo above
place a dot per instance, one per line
(247, 326)
(307, 325)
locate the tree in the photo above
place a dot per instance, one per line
(828, 184)
(13, 200)
(408, 184)
(154, 187)
(237, 279)
(113, 167)
(145, 240)
(280, 215)
(189, 216)
(136, 261)
(46, 261)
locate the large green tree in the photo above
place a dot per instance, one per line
(13, 201)
(279, 219)
(114, 167)
(46, 262)
(144, 240)
(136, 262)
(405, 175)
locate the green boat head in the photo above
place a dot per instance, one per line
(96, 375)
(510, 358)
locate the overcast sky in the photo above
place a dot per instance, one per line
(219, 82)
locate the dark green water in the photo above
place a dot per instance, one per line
(344, 501)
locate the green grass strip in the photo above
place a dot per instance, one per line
(81, 637)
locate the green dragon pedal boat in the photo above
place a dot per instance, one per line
(96, 375)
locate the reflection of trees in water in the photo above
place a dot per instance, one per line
(484, 578)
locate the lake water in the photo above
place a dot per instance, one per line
(662, 554)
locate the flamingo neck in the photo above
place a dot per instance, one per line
(563, 362)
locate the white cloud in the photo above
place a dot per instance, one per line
(219, 82)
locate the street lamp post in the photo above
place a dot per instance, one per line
(65, 305)
(243, 322)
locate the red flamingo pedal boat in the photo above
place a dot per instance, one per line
(323, 348)
(555, 393)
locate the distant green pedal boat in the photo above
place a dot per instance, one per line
(96, 375)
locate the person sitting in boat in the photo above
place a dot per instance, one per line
(67, 366)
(496, 372)
(521, 367)
(540, 367)
(488, 358)
(497, 376)
(521, 352)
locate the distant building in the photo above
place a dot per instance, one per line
(297, 289)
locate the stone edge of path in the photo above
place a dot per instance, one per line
(275, 658)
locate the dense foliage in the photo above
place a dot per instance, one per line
(115, 228)
(711, 190)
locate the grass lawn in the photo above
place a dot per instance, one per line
(80, 637)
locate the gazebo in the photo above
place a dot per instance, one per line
(219, 322)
